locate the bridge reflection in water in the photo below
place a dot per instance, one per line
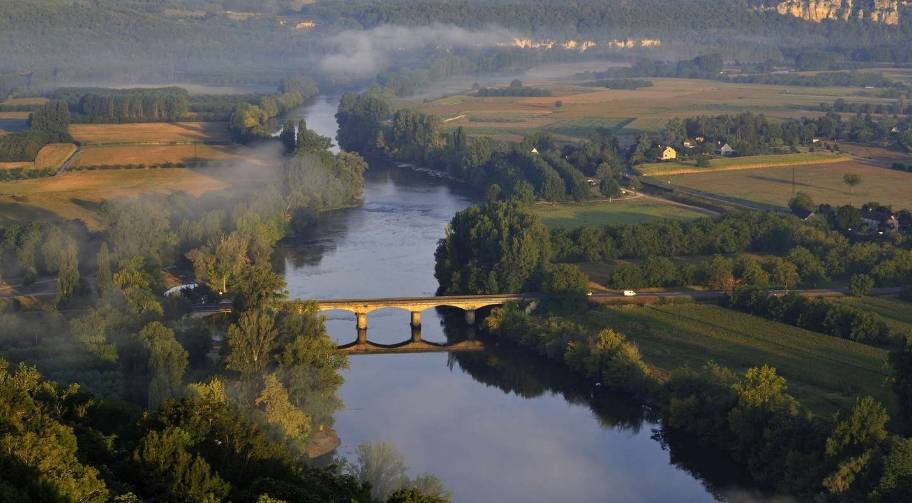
(416, 344)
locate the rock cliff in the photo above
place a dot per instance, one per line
(878, 11)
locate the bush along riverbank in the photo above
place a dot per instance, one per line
(750, 416)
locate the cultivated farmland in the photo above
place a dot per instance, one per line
(153, 155)
(150, 133)
(584, 108)
(53, 155)
(823, 182)
(736, 163)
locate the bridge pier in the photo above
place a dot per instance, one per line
(362, 320)
(416, 333)
(416, 318)
(362, 336)
(470, 316)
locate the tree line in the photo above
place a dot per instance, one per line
(749, 133)
(47, 124)
(97, 105)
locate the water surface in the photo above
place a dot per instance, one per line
(500, 425)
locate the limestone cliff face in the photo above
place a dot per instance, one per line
(878, 11)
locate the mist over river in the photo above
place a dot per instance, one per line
(498, 425)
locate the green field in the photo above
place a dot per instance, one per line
(628, 211)
(737, 163)
(825, 373)
(897, 313)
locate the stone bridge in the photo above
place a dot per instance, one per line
(415, 305)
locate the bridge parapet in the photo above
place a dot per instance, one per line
(415, 305)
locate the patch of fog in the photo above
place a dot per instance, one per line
(195, 89)
(362, 54)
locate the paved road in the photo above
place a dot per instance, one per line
(646, 297)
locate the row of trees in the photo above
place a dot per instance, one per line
(818, 315)
(96, 105)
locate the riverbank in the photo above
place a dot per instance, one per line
(727, 408)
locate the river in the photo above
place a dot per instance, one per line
(499, 425)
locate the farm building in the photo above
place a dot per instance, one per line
(668, 154)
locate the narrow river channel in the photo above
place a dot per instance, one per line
(499, 425)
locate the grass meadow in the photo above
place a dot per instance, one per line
(624, 211)
(895, 312)
(825, 373)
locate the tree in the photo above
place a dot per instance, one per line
(901, 381)
(361, 119)
(383, 467)
(785, 274)
(895, 483)
(565, 285)
(257, 287)
(167, 361)
(219, 263)
(170, 468)
(802, 202)
(67, 270)
(39, 455)
(516, 83)
(52, 117)
(311, 142)
(414, 495)
(292, 423)
(861, 285)
(252, 341)
(721, 274)
(288, 137)
(851, 179)
(495, 248)
(854, 443)
(104, 281)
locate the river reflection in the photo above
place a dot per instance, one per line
(497, 425)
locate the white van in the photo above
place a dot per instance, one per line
(629, 293)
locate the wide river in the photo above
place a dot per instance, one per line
(498, 425)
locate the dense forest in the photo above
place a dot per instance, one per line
(585, 18)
